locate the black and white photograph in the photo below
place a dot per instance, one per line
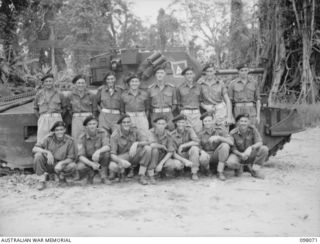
(159, 118)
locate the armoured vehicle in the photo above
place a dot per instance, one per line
(18, 124)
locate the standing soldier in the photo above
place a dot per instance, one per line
(135, 102)
(109, 101)
(188, 95)
(129, 146)
(245, 95)
(162, 95)
(248, 148)
(163, 148)
(49, 105)
(81, 104)
(55, 154)
(94, 151)
(186, 144)
(214, 95)
(215, 143)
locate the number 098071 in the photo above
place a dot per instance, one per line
(309, 239)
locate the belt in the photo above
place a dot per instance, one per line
(162, 110)
(191, 111)
(136, 113)
(110, 111)
(244, 104)
(81, 114)
(51, 114)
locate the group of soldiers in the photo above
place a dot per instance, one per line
(111, 134)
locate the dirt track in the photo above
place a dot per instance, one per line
(286, 203)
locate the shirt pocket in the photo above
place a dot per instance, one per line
(250, 91)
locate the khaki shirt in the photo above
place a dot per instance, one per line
(88, 145)
(164, 98)
(165, 139)
(212, 92)
(183, 137)
(132, 103)
(240, 92)
(243, 141)
(82, 104)
(204, 136)
(55, 103)
(108, 101)
(60, 150)
(189, 96)
(121, 143)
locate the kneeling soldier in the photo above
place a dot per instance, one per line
(248, 149)
(162, 149)
(129, 146)
(215, 144)
(186, 144)
(54, 154)
(93, 151)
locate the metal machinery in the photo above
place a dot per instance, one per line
(18, 124)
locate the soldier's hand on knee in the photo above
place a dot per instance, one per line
(50, 158)
(158, 168)
(123, 164)
(180, 149)
(214, 139)
(244, 157)
(95, 166)
(188, 163)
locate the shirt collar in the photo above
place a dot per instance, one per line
(58, 141)
(138, 93)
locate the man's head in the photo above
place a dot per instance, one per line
(80, 82)
(134, 82)
(189, 74)
(91, 123)
(243, 121)
(180, 121)
(243, 70)
(110, 79)
(209, 70)
(160, 123)
(125, 122)
(207, 120)
(59, 129)
(48, 81)
(160, 73)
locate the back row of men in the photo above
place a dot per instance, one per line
(196, 139)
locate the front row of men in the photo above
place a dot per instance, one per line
(155, 152)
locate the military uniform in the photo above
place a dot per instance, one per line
(80, 106)
(60, 150)
(244, 97)
(241, 143)
(110, 107)
(189, 103)
(136, 106)
(50, 109)
(162, 101)
(212, 93)
(87, 146)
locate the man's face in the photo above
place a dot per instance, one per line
(161, 125)
(92, 125)
(210, 72)
(48, 83)
(160, 74)
(243, 123)
(126, 123)
(134, 83)
(59, 131)
(81, 84)
(189, 75)
(207, 122)
(110, 80)
(181, 124)
(243, 73)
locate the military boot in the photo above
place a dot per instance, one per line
(103, 175)
(220, 170)
(194, 177)
(90, 177)
(131, 173)
(142, 180)
(238, 172)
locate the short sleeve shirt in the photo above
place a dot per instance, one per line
(240, 92)
(107, 100)
(245, 140)
(165, 139)
(82, 103)
(134, 103)
(189, 96)
(89, 144)
(204, 136)
(164, 98)
(60, 150)
(183, 137)
(53, 103)
(212, 92)
(121, 142)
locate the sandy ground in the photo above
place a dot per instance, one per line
(286, 203)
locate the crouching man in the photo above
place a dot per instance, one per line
(162, 149)
(93, 151)
(186, 144)
(55, 154)
(248, 149)
(129, 148)
(215, 143)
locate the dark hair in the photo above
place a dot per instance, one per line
(110, 73)
(245, 115)
(88, 119)
(130, 77)
(78, 77)
(57, 124)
